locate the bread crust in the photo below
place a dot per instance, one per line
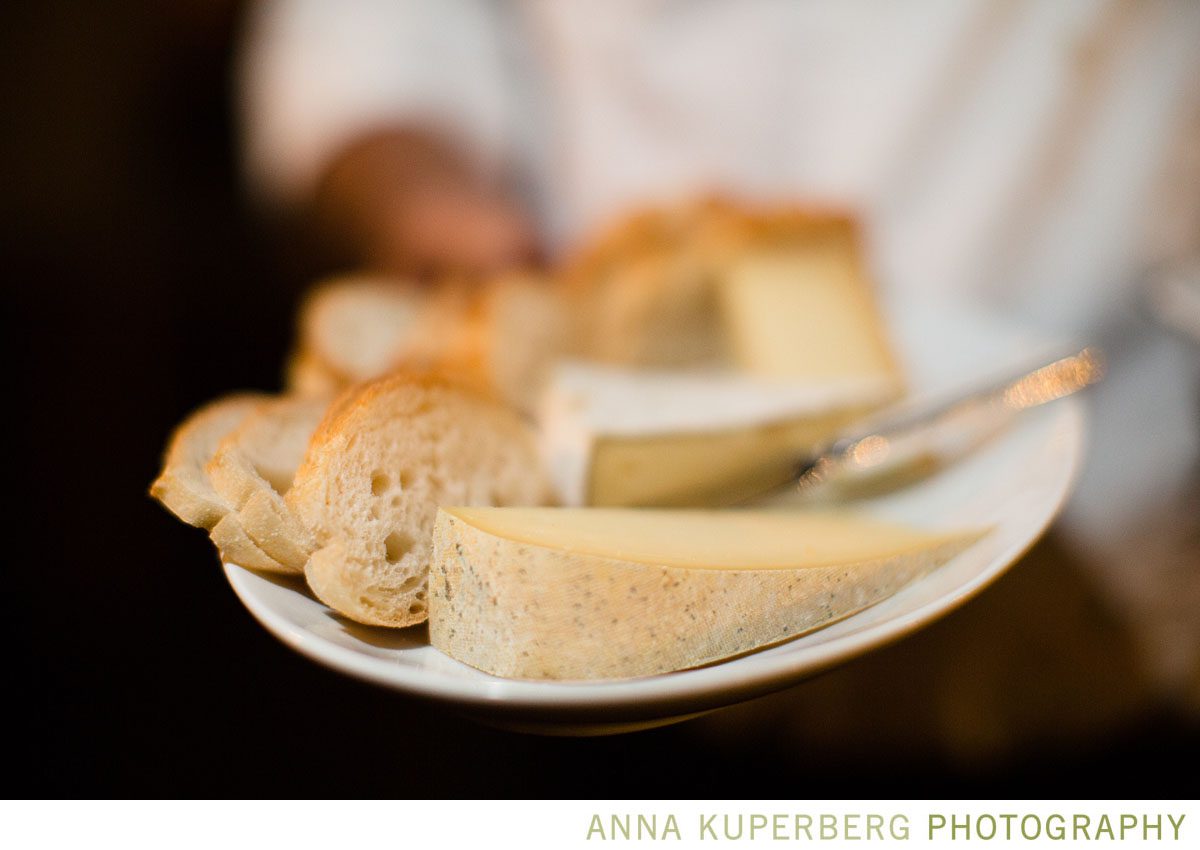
(386, 455)
(353, 328)
(183, 486)
(496, 334)
(255, 464)
(235, 546)
(647, 285)
(307, 374)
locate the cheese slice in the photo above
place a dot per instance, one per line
(625, 437)
(569, 593)
(807, 312)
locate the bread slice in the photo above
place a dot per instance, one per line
(502, 335)
(499, 335)
(658, 310)
(383, 459)
(185, 489)
(265, 449)
(642, 232)
(352, 329)
(235, 546)
(306, 374)
(183, 485)
(646, 286)
(253, 467)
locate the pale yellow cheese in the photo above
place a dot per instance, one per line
(623, 437)
(805, 312)
(564, 593)
(698, 468)
(705, 539)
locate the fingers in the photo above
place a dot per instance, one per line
(447, 226)
(409, 202)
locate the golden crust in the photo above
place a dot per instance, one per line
(235, 546)
(646, 284)
(307, 374)
(182, 486)
(707, 228)
(423, 428)
(360, 397)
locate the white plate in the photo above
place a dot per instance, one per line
(1016, 483)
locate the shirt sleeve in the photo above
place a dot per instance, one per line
(315, 74)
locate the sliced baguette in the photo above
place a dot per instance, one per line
(353, 329)
(499, 335)
(265, 449)
(306, 374)
(253, 467)
(183, 486)
(502, 335)
(185, 489)
(646, 285)
(235, 546)
(383, 459)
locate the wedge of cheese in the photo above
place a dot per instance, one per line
(562, 593)
(806, 310)
(624, 437)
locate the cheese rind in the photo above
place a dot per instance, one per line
(590, 594)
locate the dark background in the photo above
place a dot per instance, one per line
(143, 286)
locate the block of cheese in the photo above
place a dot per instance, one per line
(623, 437)
(588, 593)
(805, 308)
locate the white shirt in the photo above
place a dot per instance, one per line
(1002, 149)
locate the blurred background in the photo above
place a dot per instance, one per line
(177, 174)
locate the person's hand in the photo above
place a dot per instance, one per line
(406, 202)
(450, 226)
